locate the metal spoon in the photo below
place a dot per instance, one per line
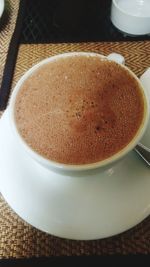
(144, 152)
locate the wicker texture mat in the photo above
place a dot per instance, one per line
(137, 54)
(7, 26)
(20, 240)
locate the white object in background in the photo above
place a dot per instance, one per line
(131, 16)
(1, 7)
(139, 8)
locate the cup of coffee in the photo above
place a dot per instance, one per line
(78, 111)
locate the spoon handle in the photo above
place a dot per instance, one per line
(144, 152)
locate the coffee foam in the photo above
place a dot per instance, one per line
(79, 109)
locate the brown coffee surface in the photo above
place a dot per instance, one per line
(79, 109)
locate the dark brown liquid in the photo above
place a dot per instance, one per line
(79, 109)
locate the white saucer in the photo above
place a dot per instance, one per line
(82, 208)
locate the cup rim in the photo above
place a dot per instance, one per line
(75, 167)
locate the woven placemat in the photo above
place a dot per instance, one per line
(10, 30)
(7, 26)
(20, 240)
(137, 54)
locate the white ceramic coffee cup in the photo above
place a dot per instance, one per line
(69, 167)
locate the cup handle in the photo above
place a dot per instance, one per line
(117, 58)
(145, 80)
